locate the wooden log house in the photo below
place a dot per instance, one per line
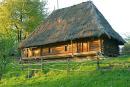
(79, 30)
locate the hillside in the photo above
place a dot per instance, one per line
(113, 72)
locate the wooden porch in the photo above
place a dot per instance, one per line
(63, 56)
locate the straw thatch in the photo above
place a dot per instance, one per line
(79, 21)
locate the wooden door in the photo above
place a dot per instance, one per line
(79, 47)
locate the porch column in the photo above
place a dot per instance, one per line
(72, 47)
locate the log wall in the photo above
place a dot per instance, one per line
(110, 47)
(79, 46)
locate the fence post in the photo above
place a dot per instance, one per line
(98, 61)
(68, 65)
(41, 64)
(28, 69)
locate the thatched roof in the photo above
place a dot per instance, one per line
(79, 21)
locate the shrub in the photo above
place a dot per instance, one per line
(126, 49)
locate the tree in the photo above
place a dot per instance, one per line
(4, 54)
(126, 48)
(24, 15)
(7, 39)
(6, 44)
(17, 17)
(21, 16)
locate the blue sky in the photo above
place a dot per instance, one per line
(117, 12)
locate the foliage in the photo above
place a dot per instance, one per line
(17, 17)
(22, 16)
(6, 45)
(7, 40)
(126, 48)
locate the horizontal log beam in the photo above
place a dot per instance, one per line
(91, 53)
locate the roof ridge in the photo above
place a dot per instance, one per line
(91, 2)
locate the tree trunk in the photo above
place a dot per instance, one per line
(1, 76)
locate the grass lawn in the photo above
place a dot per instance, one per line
(114, 72)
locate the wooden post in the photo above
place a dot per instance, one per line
(28, 70)
(72, 48)
(99, 43)
(98, 61)
(68, 65)
(40, 51)
(82, 46)
(41, 63)
(68, 59)
(88, 46)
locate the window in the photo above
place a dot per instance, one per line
(66, 48)
(79, 47)
(49, 50)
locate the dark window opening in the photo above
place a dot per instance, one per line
(66, 48)
(49, 50)
(27, 53)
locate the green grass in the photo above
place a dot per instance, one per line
(82, 74)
